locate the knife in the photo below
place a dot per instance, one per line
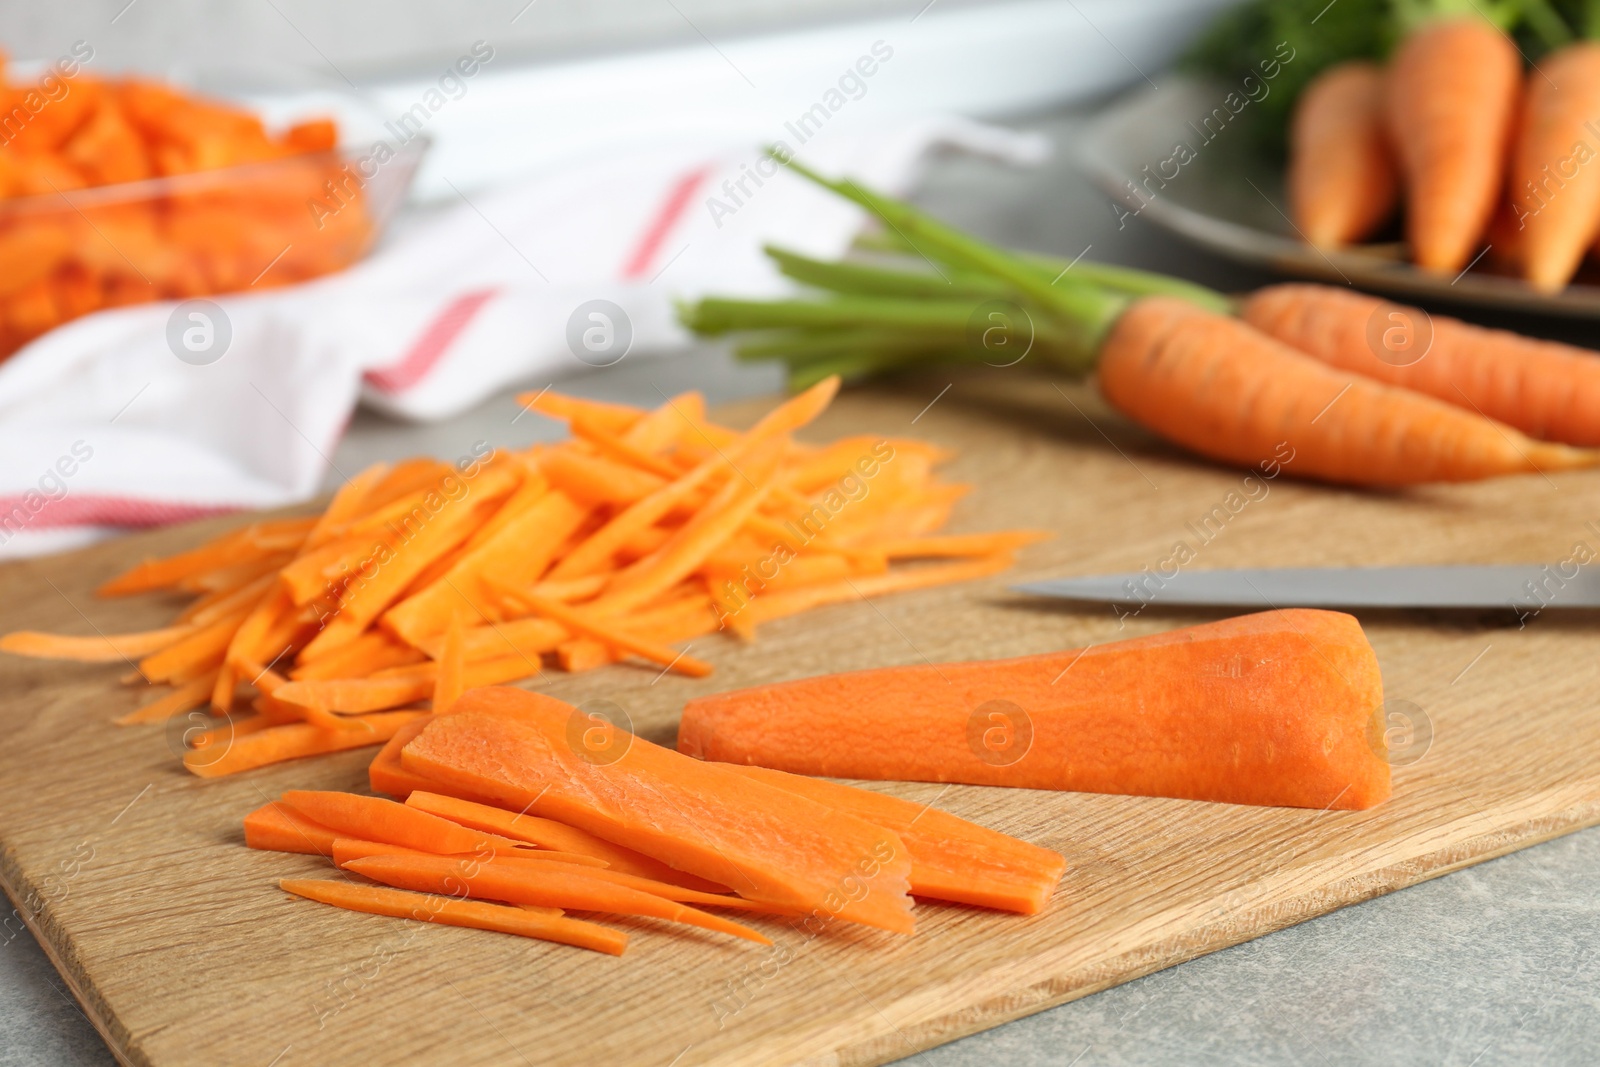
(1524, 587)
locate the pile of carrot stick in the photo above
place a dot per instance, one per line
(644, 530)
(499, 829)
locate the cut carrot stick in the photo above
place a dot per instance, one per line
(549, 834)
(101, 648)
(378, 900)
(346, 849)
(581, 622)
(597, 480)
(664, 890)
(1097, 720)
(532, 752)
(377, 819)
(546, 885)
(191, 694)
(200, 649)
(279, 828)
(296, 741)
(447, 685)
(951, 858)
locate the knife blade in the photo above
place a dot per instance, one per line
(1523, 587)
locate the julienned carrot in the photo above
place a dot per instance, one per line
(377, 819)
(598, 480)
(1217, 386)
(1343, 180)
(191, 694)
(1545, 389)
(548, 834)
(664, 890)
(279, 828)
(251, 542)
(1172, 714)
(1555, 189)
(346, 849)
(546, 885)
(613, 634)
(379, 900)
(100, 648)
(951, 858)
(761, 842)
(295, 741)
(204, 646)
(448, 684)
(1451, 99)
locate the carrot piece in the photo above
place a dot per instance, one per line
(618, 418)
(527, 638)
(347, 503)
(557, 837)
(297, 740)
(664, 890)
(1097, 720)
(372, 651)
(1215, 385)
(793, 601)
(597, 480)
(451, 525)
(214, 606)
(609, 443)
(386, 775)
(279, 828)
(519, 554)
(595, 553)
(1556, 196)
(960, 545)
(764, 843)
(1545, 389)
(393, 823)
(346, 849)
(1343, 179)
(378, 900)
(101, 648)
(719, 520)
(239, 546)
(447, 685)
(1451, 101)
(584, 654)
(609, 633)
(951, 859)
(203, 647)
(546, 885)
(191, 694)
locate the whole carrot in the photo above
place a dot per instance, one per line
(1555, 167)
(1451, 99)
(1223, 389)
(1545, 389)
(1343, 179)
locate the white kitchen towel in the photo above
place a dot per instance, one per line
(157, 413)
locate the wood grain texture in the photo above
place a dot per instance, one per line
(183, 951)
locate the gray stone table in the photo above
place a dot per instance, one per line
(1495, 964)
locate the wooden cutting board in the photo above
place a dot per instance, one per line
(182, 950)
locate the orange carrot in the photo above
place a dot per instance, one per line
(533, 753)
(101, 648)
(377, 900)
(664, 890)
(346, 849)
(1216, 386)
(295, 741)
(546, 885)
(596, 480)
(191, 694)
(1545, 389)
(1172, 715)
(377, 819)
(581, 622)
(447, 685)
(548, 834)
(951, 859)
(1451, 100)
(1343, 181)
(1555, 188)
(279, 828)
